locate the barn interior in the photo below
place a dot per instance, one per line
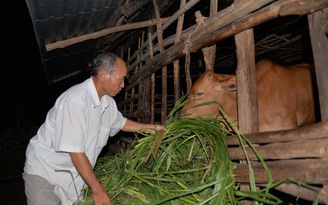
(167, 45)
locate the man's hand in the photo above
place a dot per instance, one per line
(101, 197)
(84, 168)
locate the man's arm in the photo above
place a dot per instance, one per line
(84, 168)
(133, 126)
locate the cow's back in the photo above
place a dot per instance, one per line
(285, 96)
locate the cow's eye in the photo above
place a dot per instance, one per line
(200, 93)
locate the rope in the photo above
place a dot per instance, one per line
(187, 45)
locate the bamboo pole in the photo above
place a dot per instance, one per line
(164, 69)
(126, 93)
(141, 87)
(152, 108)
(101, 33)
(176, 66)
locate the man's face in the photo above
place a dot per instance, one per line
(116, 80)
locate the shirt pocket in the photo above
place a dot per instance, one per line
(103, 136)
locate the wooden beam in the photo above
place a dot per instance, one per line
(316, 148)
(312, 171)
(101, 33)
(313, 131)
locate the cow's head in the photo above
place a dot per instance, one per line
(208, 88)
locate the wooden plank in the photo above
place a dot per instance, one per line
(316, 148)
(314, 131)
(312, 171)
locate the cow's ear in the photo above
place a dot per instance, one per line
(230, 84)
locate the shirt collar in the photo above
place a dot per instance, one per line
(103, 103)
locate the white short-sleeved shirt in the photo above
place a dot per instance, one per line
(78, 122)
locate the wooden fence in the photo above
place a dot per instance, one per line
(149, 94)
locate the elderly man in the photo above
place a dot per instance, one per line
(60, 158)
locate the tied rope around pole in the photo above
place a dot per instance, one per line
(187, 45)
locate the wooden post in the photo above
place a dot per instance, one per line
(246, 83)
(318, 26)
(246, 86)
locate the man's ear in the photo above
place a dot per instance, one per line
(102, 73)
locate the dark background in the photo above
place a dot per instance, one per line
(24, 93)
(26, 97)
(22, 78)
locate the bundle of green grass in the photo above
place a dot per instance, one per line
(187, 164)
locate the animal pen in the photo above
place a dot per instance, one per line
(156, 76)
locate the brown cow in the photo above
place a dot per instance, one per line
(285, 96)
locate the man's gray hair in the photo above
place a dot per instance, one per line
(105, 60)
